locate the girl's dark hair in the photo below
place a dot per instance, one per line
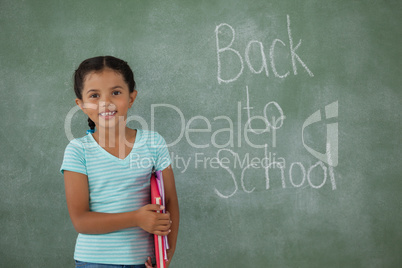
(98, 64)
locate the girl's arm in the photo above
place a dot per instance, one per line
(172, 206)
(89, 222)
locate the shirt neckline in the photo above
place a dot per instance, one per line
(136, 143)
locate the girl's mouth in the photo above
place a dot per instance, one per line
(107, 115)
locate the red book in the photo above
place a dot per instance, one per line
(158, 240)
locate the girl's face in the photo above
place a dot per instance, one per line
(106, 98)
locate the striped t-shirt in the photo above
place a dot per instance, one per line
(117, 185)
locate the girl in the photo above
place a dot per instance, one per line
(107, 174)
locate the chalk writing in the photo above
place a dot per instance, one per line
(268, 165)
(275, 123)
(228, 48)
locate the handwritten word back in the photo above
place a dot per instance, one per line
(228, 48)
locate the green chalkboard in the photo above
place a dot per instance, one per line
(283, 120)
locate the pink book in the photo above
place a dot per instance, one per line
(158, 198)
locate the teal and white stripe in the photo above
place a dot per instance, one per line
(117, 185)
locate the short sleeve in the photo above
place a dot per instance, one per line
(74, 158)
(162, 160)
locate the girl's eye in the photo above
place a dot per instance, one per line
(94, 95)
(116, 93)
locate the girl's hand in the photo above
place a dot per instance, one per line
(148, 264)
(169, 253)
(152, 222)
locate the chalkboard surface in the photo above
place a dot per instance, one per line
(283, 120)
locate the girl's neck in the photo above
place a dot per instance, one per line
(109, 138)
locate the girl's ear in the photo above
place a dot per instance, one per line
(80, 103)
(133, 95)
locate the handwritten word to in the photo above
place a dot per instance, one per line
(220, 50)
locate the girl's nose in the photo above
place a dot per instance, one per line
(104, 101)
(106, 104)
